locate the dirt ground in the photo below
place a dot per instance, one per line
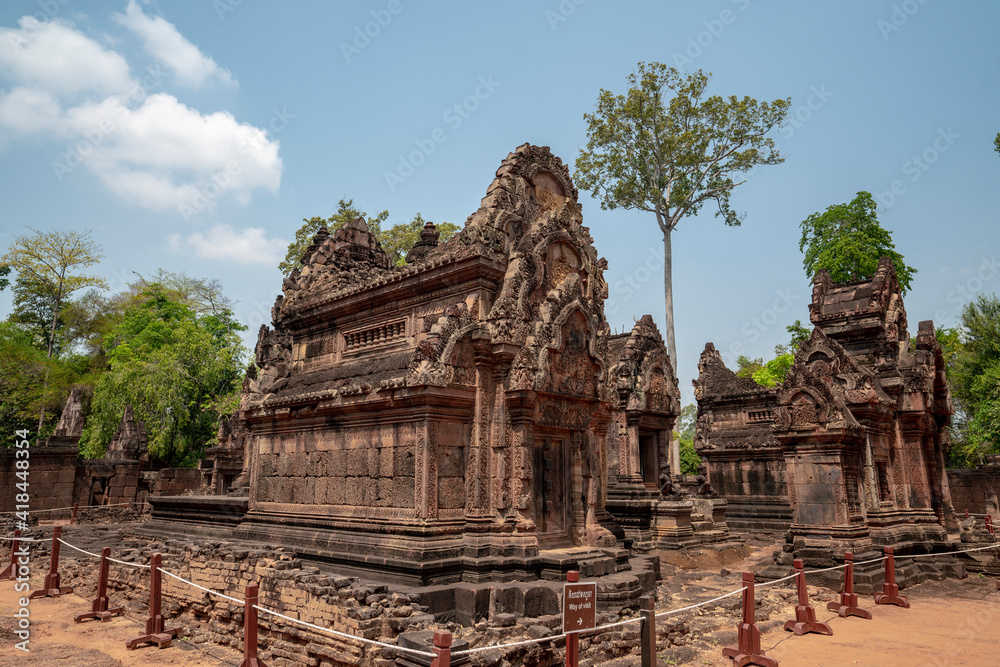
(56, 640)
(950, 623)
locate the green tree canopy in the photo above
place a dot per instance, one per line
(847, 240)
(346, 212)
(396, 240)
(685, 434)
(972, 359)
(772, 373)
(50, 260)
(666, 148)
(173, 366)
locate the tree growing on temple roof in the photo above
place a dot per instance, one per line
(395, 240)
(847, 240)
(666, 148)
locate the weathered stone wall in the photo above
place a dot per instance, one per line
(51, 478)
(175, 481)
(970, 488)
(354, 467)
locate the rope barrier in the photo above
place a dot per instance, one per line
(344, 635)
(701, 604)
(551, 638)
(98, 556)
(57, 509)
(207, 590)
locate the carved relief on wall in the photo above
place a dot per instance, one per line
(570, 368)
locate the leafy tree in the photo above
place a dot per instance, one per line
(22, 373)
(772, 373)
(4, 280)
(176, 368)
(799, 334)
(50, 259)
(685, 434)
(848, 241)
(303, 237)
(972, 362)
(398, 239)
(666, 148)
(996, 142)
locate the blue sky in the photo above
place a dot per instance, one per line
(195, 136)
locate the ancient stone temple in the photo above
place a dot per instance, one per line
(860, 423)
(448, 420)
(645, 405)
(223, 466)
(735, 439)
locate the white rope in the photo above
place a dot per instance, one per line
(24, 539)
(56, 509)
(827, 569)
(78, 548)
(776, 581)
(873, 560)
(394, 647)
(525, 642)
(207, 590)
(125, 562)
(701, 604)
(951, 553)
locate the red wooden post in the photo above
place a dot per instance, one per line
(442, 649)
(989, 523)
(51, 587)
(250, 658)
(155, 634)
(573, 638)
(848, 605)
(748, 651)
(99, 605)
(647, 635)
(10, 572)
(890, 591)
(805, 616)
(72, 519)
(966, 514)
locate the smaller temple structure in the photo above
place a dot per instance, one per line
(649, 505)
(853, 442)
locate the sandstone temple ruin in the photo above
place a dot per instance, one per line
(465, 417)
(848, 454)
(471, 418)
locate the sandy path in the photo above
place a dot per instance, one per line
(56, 640)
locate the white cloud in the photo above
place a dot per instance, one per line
(222, 243)
(165, 43)
(55, 57)
(144, 145)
